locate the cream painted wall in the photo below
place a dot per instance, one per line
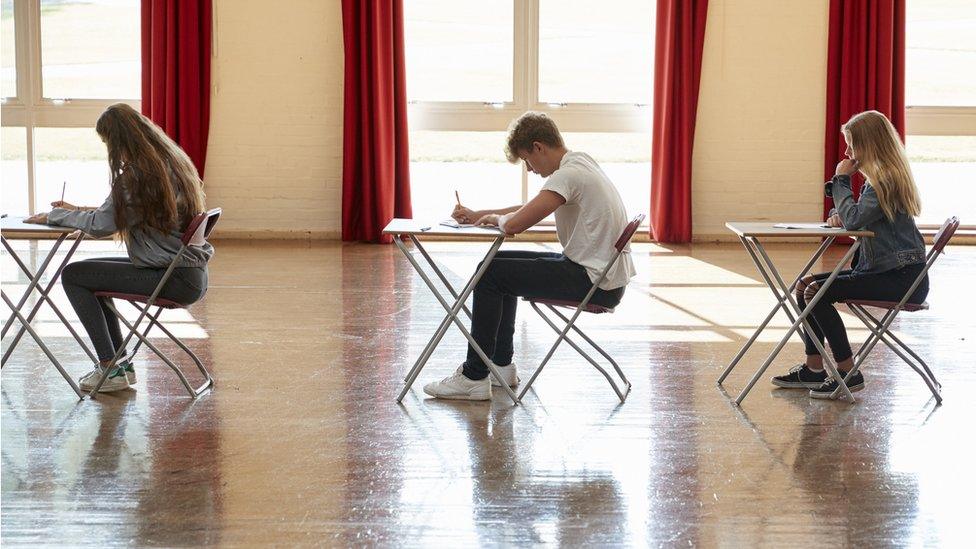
(760, 133)
(275, 153)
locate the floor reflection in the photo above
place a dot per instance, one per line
(302, 442)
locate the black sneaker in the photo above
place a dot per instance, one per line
(800, 377)
(855, 384)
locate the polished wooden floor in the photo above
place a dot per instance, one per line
(302, 442)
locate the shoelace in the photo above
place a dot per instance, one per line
(797, 368)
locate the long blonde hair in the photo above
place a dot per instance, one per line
(151, 176)
(882, 159)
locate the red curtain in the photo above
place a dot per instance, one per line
(375, 157)
(677, 70)
(176, 37)
(865, 71)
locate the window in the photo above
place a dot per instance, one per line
(940, 91)
(64, 62)
(473, 67)
(8, 50)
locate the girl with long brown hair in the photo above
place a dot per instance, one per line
(155, 192)
(887, 264)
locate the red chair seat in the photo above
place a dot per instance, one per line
(160, 302)
(590, 307)
(888, 304)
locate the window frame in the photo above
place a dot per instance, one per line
(949, 121)
(486, 116)
(30, 109)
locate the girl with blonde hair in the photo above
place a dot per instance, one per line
(887, 264)
(155, 192)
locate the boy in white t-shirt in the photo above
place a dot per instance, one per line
(589, 218)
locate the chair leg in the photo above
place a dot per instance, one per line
(621, 394)
(154, 321)
(933, 385)
(904, 347)
(600, 350)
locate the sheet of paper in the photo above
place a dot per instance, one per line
(802, 226)
(456, 225)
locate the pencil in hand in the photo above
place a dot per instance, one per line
(63, 185)
(457, 196)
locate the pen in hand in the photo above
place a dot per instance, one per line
(63, 185)
(457, 196)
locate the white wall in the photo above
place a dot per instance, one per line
(275, 154)
(760, 134)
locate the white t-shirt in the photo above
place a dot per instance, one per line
(591, 220)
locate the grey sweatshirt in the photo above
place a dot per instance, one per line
(147, 248)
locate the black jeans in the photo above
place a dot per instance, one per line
(824, 319)
(514, 274)
(82, 279)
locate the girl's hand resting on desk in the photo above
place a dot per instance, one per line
(834, 221)
(490, 220)
(464, 215)
(38, 218)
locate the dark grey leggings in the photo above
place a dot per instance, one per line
(117, 274)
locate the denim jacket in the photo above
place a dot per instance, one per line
(896, 243)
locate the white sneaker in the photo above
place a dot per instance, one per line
(459, 387)
(130, 372)
(508, 374)
(116, 381)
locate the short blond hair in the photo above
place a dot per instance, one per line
(529, 128)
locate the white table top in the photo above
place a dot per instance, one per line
(759, 228)
(14, 224)
(434, 228)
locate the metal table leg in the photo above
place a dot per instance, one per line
(763, 263)
(452, 312)
(780, 303)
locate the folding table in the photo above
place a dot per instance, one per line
(412, 229)
(13, 225)
(749, 234)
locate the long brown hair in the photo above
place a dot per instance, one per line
(152, 179)
(882, 160)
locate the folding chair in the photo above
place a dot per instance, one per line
(578, 308)
(880, 327)
(196, 234)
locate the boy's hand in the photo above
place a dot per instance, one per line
(63, 205)
(38, 218)
(464, 215)
(847, 166)
(834, 221)
(488, 220)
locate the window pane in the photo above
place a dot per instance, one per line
(459, 51)
(91, 49)
(945, 172)
(72, 158)
(472, 163)
(578, 40)
(941, 53)
(624, 157)
(8, 51)
(13, 198)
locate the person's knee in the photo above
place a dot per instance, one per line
(71, 273)
(810, 290)
(801, 287)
